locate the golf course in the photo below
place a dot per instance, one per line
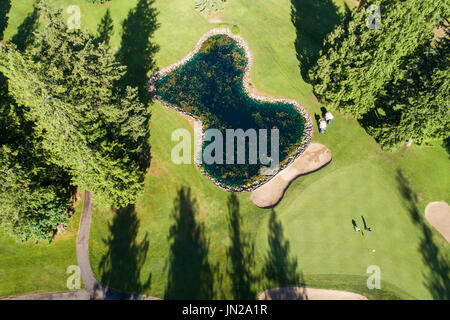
(184, 228)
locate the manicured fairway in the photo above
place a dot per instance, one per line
(31, 268)
(316, 212)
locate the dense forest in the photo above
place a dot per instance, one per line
(68, 121)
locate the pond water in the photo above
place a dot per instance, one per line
(210, 87)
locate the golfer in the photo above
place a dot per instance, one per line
(329, 117)
(322, 126)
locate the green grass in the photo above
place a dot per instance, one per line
(317, 209)
(214, 77)
(38, 268)
(317, 221)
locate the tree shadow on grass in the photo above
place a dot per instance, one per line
(280, 269)
(313, 21)
(5, 6)
(190, 274)
(105, 30)
(437, 279)
(241, 254)
(137, 50)
(25, 37)
(121, 266)
(446, 144)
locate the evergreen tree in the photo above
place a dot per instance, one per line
(66, 85)
(35, 196)
(367, 72)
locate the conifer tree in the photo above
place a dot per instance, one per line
(35, 195)
(367, 72)
(66, 85)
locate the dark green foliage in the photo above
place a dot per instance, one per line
(393, 80)
(35, 195)
(416, 106)
(95, 132)
(313, 21)
(210, 88)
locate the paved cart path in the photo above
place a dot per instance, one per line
(94, 290)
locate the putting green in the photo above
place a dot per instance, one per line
(318, 224)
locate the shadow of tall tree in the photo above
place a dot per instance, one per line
(280, 269)
(190, 275)
(241, 255)
(137, 53)
(5, 6)
(446, 144)
(120, 267)
(25, 36)
(437, 279)
(105, 29)
(313, 21)
(137, 50)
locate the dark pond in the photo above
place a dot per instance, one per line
(210, 88)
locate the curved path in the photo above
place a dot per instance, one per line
(312, 159)
(94, 290)
(305, 293)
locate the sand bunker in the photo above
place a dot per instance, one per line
(303, 293)
(438, 215)
(313, 158)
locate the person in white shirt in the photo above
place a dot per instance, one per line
(322, 126)
(329, 117)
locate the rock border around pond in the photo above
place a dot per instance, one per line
(308, 124)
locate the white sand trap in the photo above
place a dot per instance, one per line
(303, 293)
(438, 215)
(313, 158)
